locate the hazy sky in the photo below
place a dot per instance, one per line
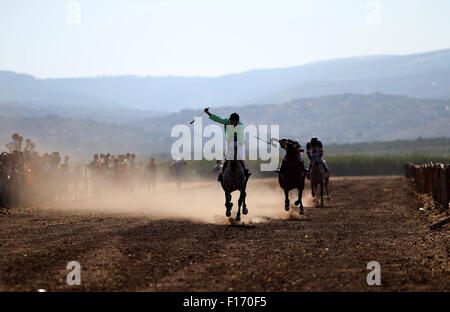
(62, 38)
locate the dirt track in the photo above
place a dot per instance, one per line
(327, 249)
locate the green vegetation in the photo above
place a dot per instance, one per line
(435, 146)
(340, 165)
(361, 165)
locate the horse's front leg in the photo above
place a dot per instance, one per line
(326, 188)
(286, 200)
(228, 204)
(242, 202)
(238, 215)
(299, 201)
(321, 195)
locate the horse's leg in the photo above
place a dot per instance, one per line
(321, 194)
(327, 180)
(228, 204)
(299, 201)
(242, 202)
(286, 200)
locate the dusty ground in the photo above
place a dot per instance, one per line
(327, 249)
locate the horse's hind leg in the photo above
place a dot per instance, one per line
(238, 215)
(326, 187)
(242, 202)
(321, 195)
(286, 200)
(299, 201)
(228, 204)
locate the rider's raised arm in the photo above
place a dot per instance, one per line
(223, 121)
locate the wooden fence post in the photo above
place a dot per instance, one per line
(417, 177)
(448, 183)
(443, 183)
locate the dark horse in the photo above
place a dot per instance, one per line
(319, 177)
(292, 176)
(234, 179)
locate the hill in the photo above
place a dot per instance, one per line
(346, 118)
(388, 74)
(338, 119)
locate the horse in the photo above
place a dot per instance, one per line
(318, 176)
(293, 176)
(234, 179)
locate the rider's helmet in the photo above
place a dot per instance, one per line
(234, 117)
(314, 141)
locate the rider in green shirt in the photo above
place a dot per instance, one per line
(232, 126)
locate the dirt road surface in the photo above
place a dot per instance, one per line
(134, 247)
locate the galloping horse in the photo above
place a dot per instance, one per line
(234, 179)
(292, 177)
(319, 177)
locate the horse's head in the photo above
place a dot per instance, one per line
(292, 149)
(316, 159)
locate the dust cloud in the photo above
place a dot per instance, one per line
(195, 201)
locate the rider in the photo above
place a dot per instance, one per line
(315, 147)
(284, 144)
(237, 128)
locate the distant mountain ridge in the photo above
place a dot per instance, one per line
(389, 74)
(347, 118)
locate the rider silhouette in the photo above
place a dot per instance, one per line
(232, 126)
(284, 145)
(315, 147)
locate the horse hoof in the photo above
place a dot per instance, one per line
(301, 210)
(238, 218)
(245, 210)
(286, 208)
(228, 213)
(297, 203)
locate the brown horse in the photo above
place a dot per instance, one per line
(318, 177)
(292, 176)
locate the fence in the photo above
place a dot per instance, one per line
(431, 178)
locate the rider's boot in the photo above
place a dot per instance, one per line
(246, 170)
(324, 168)
(305, 168)
(280, 171)
(220, 177)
